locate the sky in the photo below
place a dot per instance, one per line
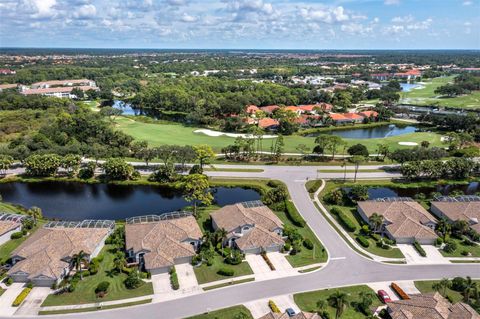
(241, 24)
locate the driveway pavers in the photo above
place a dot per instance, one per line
(412, 257)
(8, 297)
(34, 300)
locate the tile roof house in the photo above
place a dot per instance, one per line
(251, 227)
(339, 118)
(430, 306)
(45, 257)
(159, 245)
(404, 219)
(251, 109)
(459, 210)
(269, 108)
(7, 228)
(268, 123)
(368, 114)
(300, 315)
(355, 117)
(59, 88)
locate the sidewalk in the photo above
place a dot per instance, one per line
(345, 234)
(97, 304)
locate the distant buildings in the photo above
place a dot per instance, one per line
(464, 208)
(59, 88)
(407, 75)
(7, 72)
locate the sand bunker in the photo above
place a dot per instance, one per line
(216, 134)
(408, 143)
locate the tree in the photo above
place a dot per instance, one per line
(110, 112)
(71, 163)
(196, 188)
(359, 192)
(141, 151)
(470, 286)
(184, 154)
(278, 148)
(117, 169)
(358, 149)
(442, 286)
(222, 236)
(36, 213)
(302, 149)
(383, 150)
(333, 143)
(42, 165)
(6, 162)
(78, 93)
(77, 260)
(357, 160)
(339, 301)
(376, 220)
(204, 154)
(444, 227)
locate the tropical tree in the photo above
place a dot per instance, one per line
(204, 154)
(376, 220)
(383, 150)
(442, 286)
(302, 149)
(444, 227)
(333, 143)
(222, 236)
(470, 287)
(77, 260)
(339, 301)
(196, 188)
(119, 261)
(71, 163)
(117, 169)
(6, 162)
(36, 213)
(356, 160)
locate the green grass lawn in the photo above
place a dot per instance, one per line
(206, 273)
(7, 248)
(85, 290)
(426, 287)
(227, 313)
(177, 134)
(474, 250)
(2, 291)
(79, 310)
(308, 301)
(9, 208)
(426, 96)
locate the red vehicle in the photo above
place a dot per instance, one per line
(384, 296)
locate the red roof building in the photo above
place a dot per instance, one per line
(268, 123)
(269, 108)
(354, 117)
(368, 114)
(251, 109)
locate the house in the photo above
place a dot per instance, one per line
(465, 208)
(158, 242)
(430, 306)
(7, 71)
(381, 76)
(45, 258)
(354, 117)
(405, 220)
(368, 114)
(300, 315)
(64, 83)
(9, 224)
(314, 108)
(268, 123)
(339, 118)
(269, 108)
(409, 75)
(8, 86)
(294, 109)
(61, 88)
(251, 109)
(251, 227)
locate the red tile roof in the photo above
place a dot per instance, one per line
(269, 108)
(337, 116)
(251, 109)
(369, 113)
(267, 122)
(353, 116)
(58, 89)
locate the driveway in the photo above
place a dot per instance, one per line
(413, 257)
(186, 278)
(32, 303)
(161, 284)
(385, 285)
(281, 264)
(258, 265)
(260, 307)
(8, 297)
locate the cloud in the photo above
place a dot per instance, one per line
(87, 11)
(176, 2)
(326, 15)
(467, 3)
(44, 8)
(188, 18)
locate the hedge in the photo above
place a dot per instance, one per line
(21, 297)
(419, 249)
(363, 241)
(294, 215)
(346, 221)
(16, 235)
(273, 306)
(102, 287)
(226, 271)
(308, 243)
(174, 279)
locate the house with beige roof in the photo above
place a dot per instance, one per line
(300, 315)
(158, 242)
(9, 224)
(405, 220)
(251, 227)
(430, 306)
(465, 208)
(45, 258)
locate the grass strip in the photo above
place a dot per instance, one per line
(230, 283)
(309, 269)
(127, 304)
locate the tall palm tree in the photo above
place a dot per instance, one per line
(444, 228)
(376, 220)
(338, 300)
(36, 213)
(469, 288)
(222, 236)
(77, 260)
(442, 286)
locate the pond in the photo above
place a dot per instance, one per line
(406, 87)
(371, 132)
(78, 201)
(126, 108)
(381, 192)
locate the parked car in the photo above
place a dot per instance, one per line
(384, 296)
(290, 312)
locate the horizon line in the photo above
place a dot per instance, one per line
(244, 49)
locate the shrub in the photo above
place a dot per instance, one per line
(381, 244)
(335, 197)
(363, 241)
(438, 241)
(21, 297)
(8, 281)
(273, 306)
(274, 184)
(196, 169)
(458, 284)
(346, 221)
(16, 235)
(450, 246)
(224, 271)
(419, 249)
(287, 247)
(307, 243)
(174, 279)
(465, 253)
(102, 287)
(133, 280)
(234, 258)
(294, 215)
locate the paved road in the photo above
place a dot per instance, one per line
(344, 268)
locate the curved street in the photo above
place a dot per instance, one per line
(345, 267)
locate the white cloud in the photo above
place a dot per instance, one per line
(467, 3)
(188, 18)
(44, 8)
(87, 11)
(391, 2)
(326, 15)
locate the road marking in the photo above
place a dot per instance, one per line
(338, 258)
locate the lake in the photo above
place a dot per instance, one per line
(126, 108)
(406, 87)
(78, 201)
(381, 192)
(371, 132)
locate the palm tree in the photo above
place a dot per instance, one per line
(338, 300)
(444, 228)
(118, 263)
(36, 213)
(469, 288)
(77, 260)
(376, 220)
(442, 286)
(222, 236)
